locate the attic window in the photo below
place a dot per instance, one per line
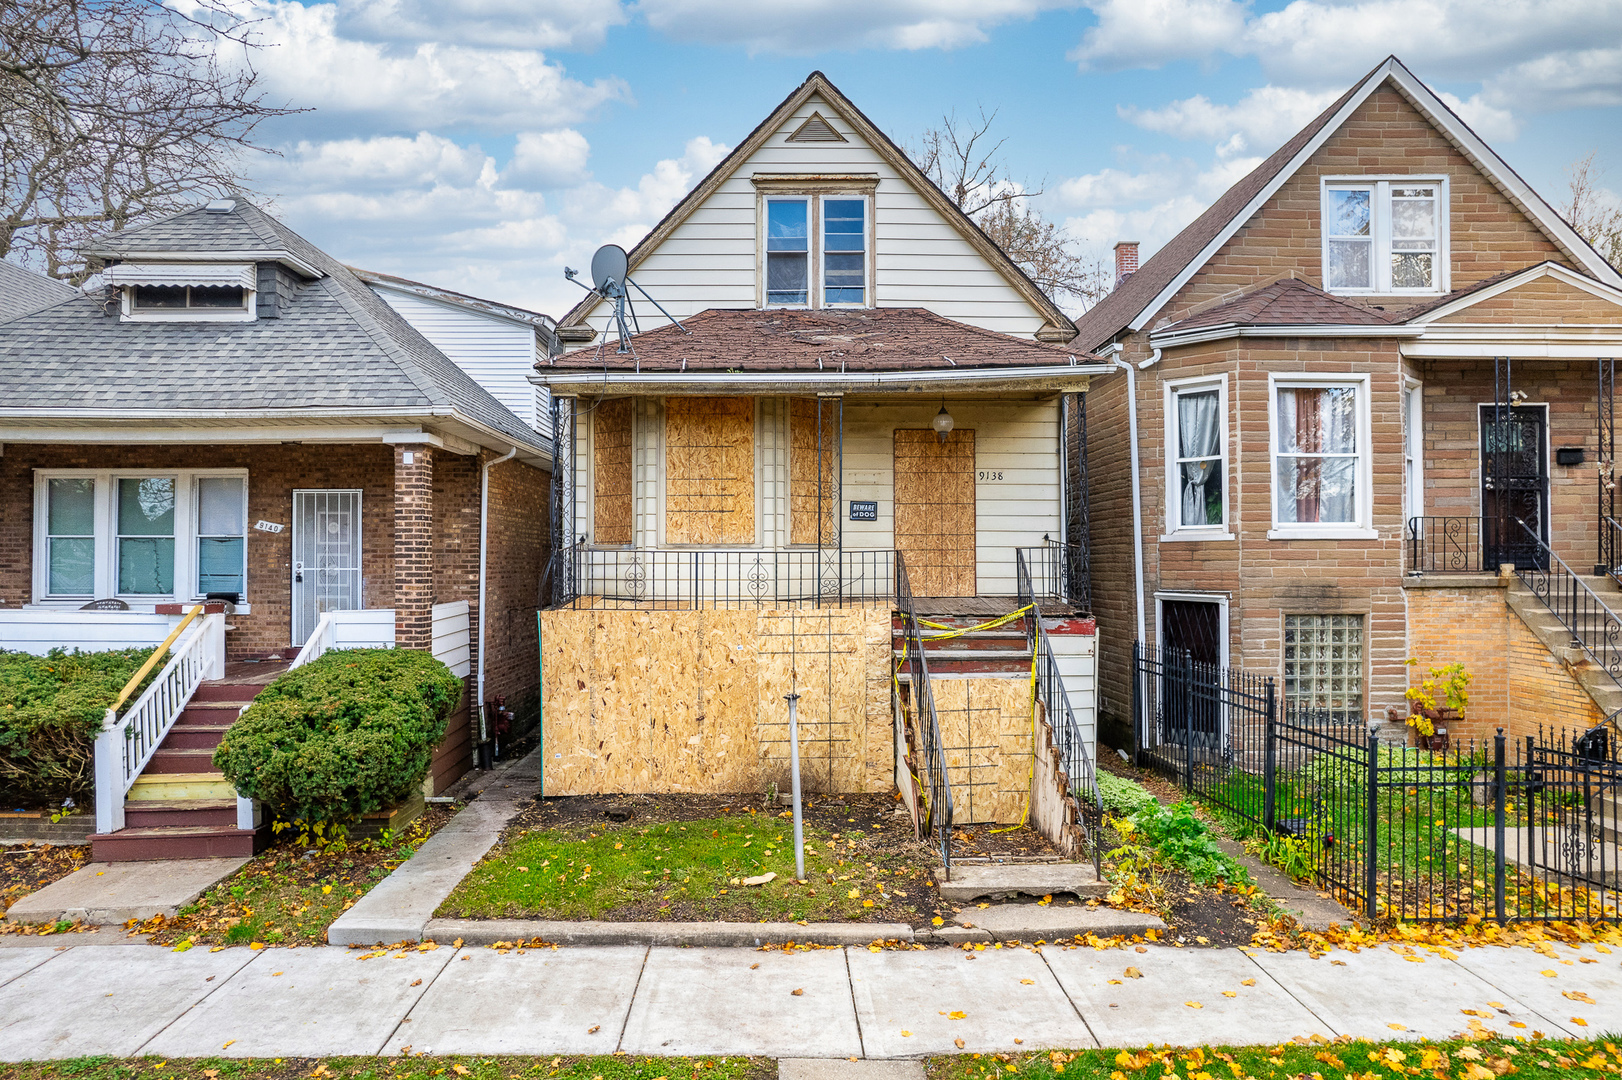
(816, 129)
(1385, 235)
(189, 297)
(185, 292)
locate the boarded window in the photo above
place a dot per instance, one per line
(611, 471)
(709, 470)
(934, 510)
(808, 502)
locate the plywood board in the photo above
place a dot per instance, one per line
(709, 470)
(811, 468)
(985, 727)
(935, 510)
(611, 471)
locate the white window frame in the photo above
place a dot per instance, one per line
(1176, 532)
(815, 217)
(106, 538)
(1379, 188)
(1220, 599)
(1361, 527)
(128, 312)
(1413, 451)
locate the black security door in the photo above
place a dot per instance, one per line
(1191, 632)
(1514, 485)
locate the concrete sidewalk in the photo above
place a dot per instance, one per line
(70, 999)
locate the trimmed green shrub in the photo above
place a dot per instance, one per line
(342, 736)
(51, 708)
(1121, 796)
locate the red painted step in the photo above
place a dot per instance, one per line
(172, 842)
(180, 761)
(194, 737)
(152, 814)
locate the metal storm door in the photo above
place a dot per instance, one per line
(1191, 650)
(1514, 484)
(326, 557)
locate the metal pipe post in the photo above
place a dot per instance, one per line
(794, 781)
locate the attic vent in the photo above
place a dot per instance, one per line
(221, 206)
(816, 129)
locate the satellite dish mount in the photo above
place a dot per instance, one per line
(610, 276)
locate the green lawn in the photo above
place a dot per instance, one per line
(694, 870)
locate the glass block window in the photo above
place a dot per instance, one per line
(1323, 667)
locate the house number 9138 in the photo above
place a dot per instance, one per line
(988, 475)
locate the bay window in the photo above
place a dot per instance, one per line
(1320, 438)
(1197, 434)
(1384, 235)
(140, 535)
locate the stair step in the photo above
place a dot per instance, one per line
(241, 693)
(173, 787)
(1011, 655)
(179, 761)
(189, 842)
(194, 737)
(211, 712)
(153, 813)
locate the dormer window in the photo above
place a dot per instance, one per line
(185, 292)
(1385, 235)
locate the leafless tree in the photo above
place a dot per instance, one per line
(964, 160)
(117, 111)
(1590, 210)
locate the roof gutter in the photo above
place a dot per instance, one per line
(1171, 339)
(755, 382)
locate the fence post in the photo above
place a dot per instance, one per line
(1500, 791)
(1372, 828)
(1185, 698)
(1137, 702)
(1269, 761)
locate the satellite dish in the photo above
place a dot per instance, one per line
(608, 269)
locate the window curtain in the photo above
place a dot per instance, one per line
(1315, 425)
(1197, 423)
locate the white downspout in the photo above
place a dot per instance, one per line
(1137, 487)
(484, 559)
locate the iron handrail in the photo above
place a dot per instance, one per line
(1445, 545)
(1610, 540)
(931, 750)
(1578, 607)
(695, 578)
(1067, 737)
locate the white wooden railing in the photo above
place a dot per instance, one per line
(368, 628)
(127, 742)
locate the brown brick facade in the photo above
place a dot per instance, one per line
(414, 547)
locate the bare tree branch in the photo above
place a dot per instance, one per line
(1596, 217)
(117, 111)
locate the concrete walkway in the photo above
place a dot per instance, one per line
(75, 999)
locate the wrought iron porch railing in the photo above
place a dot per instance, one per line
(1067, 735)
(1594, 627)
(678, 579)
(1610, 548)
(1059, 573)
(929, 753)
(1445, 545)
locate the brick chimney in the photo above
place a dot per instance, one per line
(1126, 260)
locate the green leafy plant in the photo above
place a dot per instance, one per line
(347, 734)
(51, 708)
(1185, 842)
(1120, 795)
(1297, 856)
(1450, 681)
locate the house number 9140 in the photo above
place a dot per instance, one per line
(988, 475)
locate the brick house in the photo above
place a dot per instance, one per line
(1376, 370)
(236, 416)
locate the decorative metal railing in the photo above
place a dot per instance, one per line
(1594, 627)
(928, 752)
(1610, 547)
(127, 742)
(1445, 545)
(1059, 573)
(1068, 739)
(690, 578)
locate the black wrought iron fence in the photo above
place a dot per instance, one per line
(1445, 545)
(688, 578)
(1503, 829)
(1610, 548)
(926, 752)
(1059, 573)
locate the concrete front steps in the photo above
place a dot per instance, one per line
(181, 807)
(988, 654)
(1547, 628)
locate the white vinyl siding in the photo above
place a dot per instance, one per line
(498, 354)
(919, 258)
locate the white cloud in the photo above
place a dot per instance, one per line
(306, 61)
(385, 162)
(534, 24)
(807, 26)
(1260, 122)
(548, 159)
(1151, 33)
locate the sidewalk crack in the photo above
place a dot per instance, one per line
(1065, 990)
(850, 982)
(647, 953)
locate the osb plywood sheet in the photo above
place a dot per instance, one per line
(807, 501)
(611, 471)
(985, 729)
(709, 470)
(669, 701)
(934, 510)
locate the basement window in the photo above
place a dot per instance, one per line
(1323, 668)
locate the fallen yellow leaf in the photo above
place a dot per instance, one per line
(1547, 973)
(1115, 982)
(958, 1043)
(1247, 982)
(460, 1069)
(1397, 1027)
(1230, 993)
(1579, 1021)
(1578, 995)
(1193, 1005)
(1027, 982)
(906, 1034)
(956, 1014)
(228, 1043)
(937, 921)
(1132, 973)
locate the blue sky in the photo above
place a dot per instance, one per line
(484, 144)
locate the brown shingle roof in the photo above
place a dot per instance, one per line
(1288, 302)
(778, 339)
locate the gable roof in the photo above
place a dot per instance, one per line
(1136, 302)
(1460, 299)
(338, 349)
(828, 339)
(543, 324)
(23, 291)
(1059, 325)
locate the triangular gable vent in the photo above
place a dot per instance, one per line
(816, 129)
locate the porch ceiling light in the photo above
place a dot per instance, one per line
(942, 423)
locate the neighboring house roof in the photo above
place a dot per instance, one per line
(337, 350)
(1139, 299)
(824, 340)
(543, 323)
(817, 83)
(23, 291)
(1287, 302)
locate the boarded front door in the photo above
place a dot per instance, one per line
(934, 510)
(326, 557)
